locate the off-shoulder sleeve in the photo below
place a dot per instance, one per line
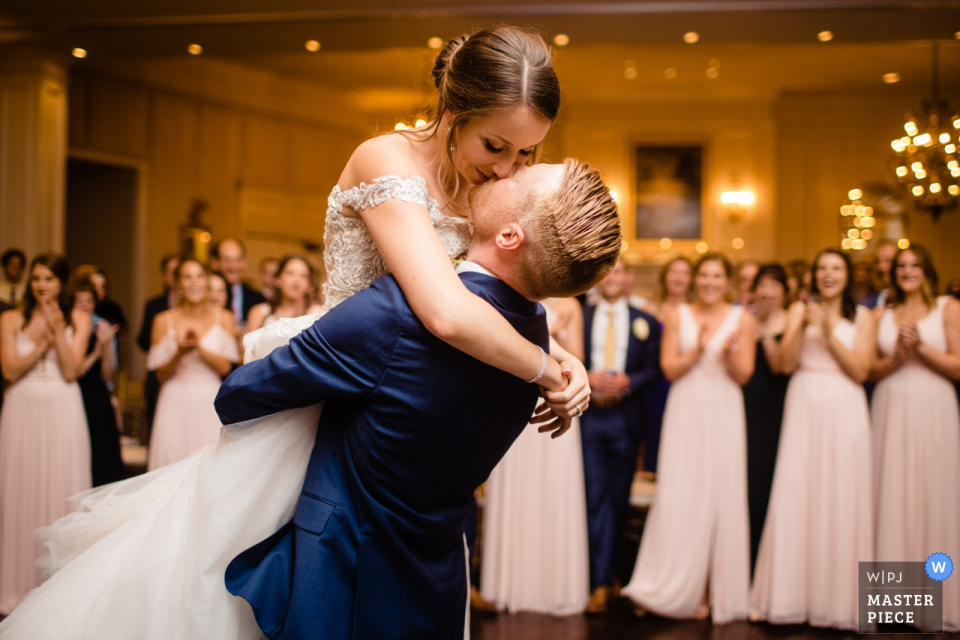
(161, 353)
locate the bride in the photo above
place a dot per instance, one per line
(145, 558)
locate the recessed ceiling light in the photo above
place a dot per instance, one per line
(630, 73)
(713, 72)
(195, 49)
(561, 39)
(435, 42)
(670, 73)
(312, 46)
(890, 78)
(691, 36)
(825, 36)
(79, 53)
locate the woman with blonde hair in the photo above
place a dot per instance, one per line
(398, 207)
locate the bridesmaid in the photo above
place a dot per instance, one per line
(96, 372)
(535, 549)
(292, 298)
(44, 444)
(820, 517)
(675, 278)
(764, 394)
(697, 532)
(916, 423)
(193, 349)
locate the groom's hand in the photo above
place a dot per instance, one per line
(560, 407)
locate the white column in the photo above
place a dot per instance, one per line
(33, 149)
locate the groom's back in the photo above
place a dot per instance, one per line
(376, 547)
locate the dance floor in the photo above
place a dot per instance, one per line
(619, 624)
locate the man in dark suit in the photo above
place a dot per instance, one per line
(622, 347)
(231, 257)
(154, 307)
(375, 548)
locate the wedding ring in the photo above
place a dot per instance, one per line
(579, 411)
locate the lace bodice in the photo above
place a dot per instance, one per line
(351, 258)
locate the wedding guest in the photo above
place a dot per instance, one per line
(291, 298)
(675, 278)
(107, 308)
(167, 299)
(916, 423)
(96, 371)
(953, 288)
(746, 274)
(886, 250)
(268, 269)
(798, 280)
(535, 551)
(697, 533)
(764, 395)
(193, 349)
(12, 286)
(622, 350)
(231, 256)
(807, 563)
(865, 282)
(44, 443)
(217, 290)
(635, 300)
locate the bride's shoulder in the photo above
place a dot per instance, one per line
(386, 155)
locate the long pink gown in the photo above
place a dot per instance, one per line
(916, 451)
(186, 421)
(820, 518)
(698, 531)
(44, 459)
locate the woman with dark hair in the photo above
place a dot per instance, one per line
(820, 517)
(217, 290)
(764, 394)
(96, 372)
(193, 350)
(44, 444)
(694, 557)
(675, 279)
(916, 423)
(398, 207)
(291, 299)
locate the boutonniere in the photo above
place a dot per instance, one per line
(641, 329)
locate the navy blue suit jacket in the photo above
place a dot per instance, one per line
(410, 428)
(642, 365)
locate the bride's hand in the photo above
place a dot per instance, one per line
(572, 401)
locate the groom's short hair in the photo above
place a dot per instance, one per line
(572, 236)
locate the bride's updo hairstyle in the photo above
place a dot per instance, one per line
(494, 70)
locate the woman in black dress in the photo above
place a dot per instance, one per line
(96, 371)
(763, 396)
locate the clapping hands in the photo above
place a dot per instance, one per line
(105, 332)
(187, 341)
(908, 339)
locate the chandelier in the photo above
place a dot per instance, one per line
(927, 162)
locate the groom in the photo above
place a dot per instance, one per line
(411, 426)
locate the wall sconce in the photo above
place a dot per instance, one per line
(735, 203)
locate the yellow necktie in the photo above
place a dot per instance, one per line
(610, 346)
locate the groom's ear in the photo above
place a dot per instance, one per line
(510, 237)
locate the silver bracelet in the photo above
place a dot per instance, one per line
(543, 367)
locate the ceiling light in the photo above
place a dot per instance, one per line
(195, 49)
(691, 36)
(613, 195)
(670, 73)
(737, 243)
(701, 247)
(890, 78)
(712, 73)
(957, 35)
(79, 53)
(629, 73)
(903, 243)
(420, 123)
(561, 39)
(666, 243)
(435, 42)
(399, 127)
(825, 36)
(312, 46)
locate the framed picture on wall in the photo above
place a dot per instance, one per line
(669, 185)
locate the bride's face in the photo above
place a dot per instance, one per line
(494, 146)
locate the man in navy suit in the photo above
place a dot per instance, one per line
(411, 426)
(622, 348)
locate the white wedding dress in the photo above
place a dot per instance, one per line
(145, 558)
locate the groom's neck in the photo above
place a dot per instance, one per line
(501, 264)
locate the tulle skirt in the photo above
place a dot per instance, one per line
(145, 558)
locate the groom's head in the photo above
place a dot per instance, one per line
(550, 231)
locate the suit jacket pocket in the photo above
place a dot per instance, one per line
(313, 513)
